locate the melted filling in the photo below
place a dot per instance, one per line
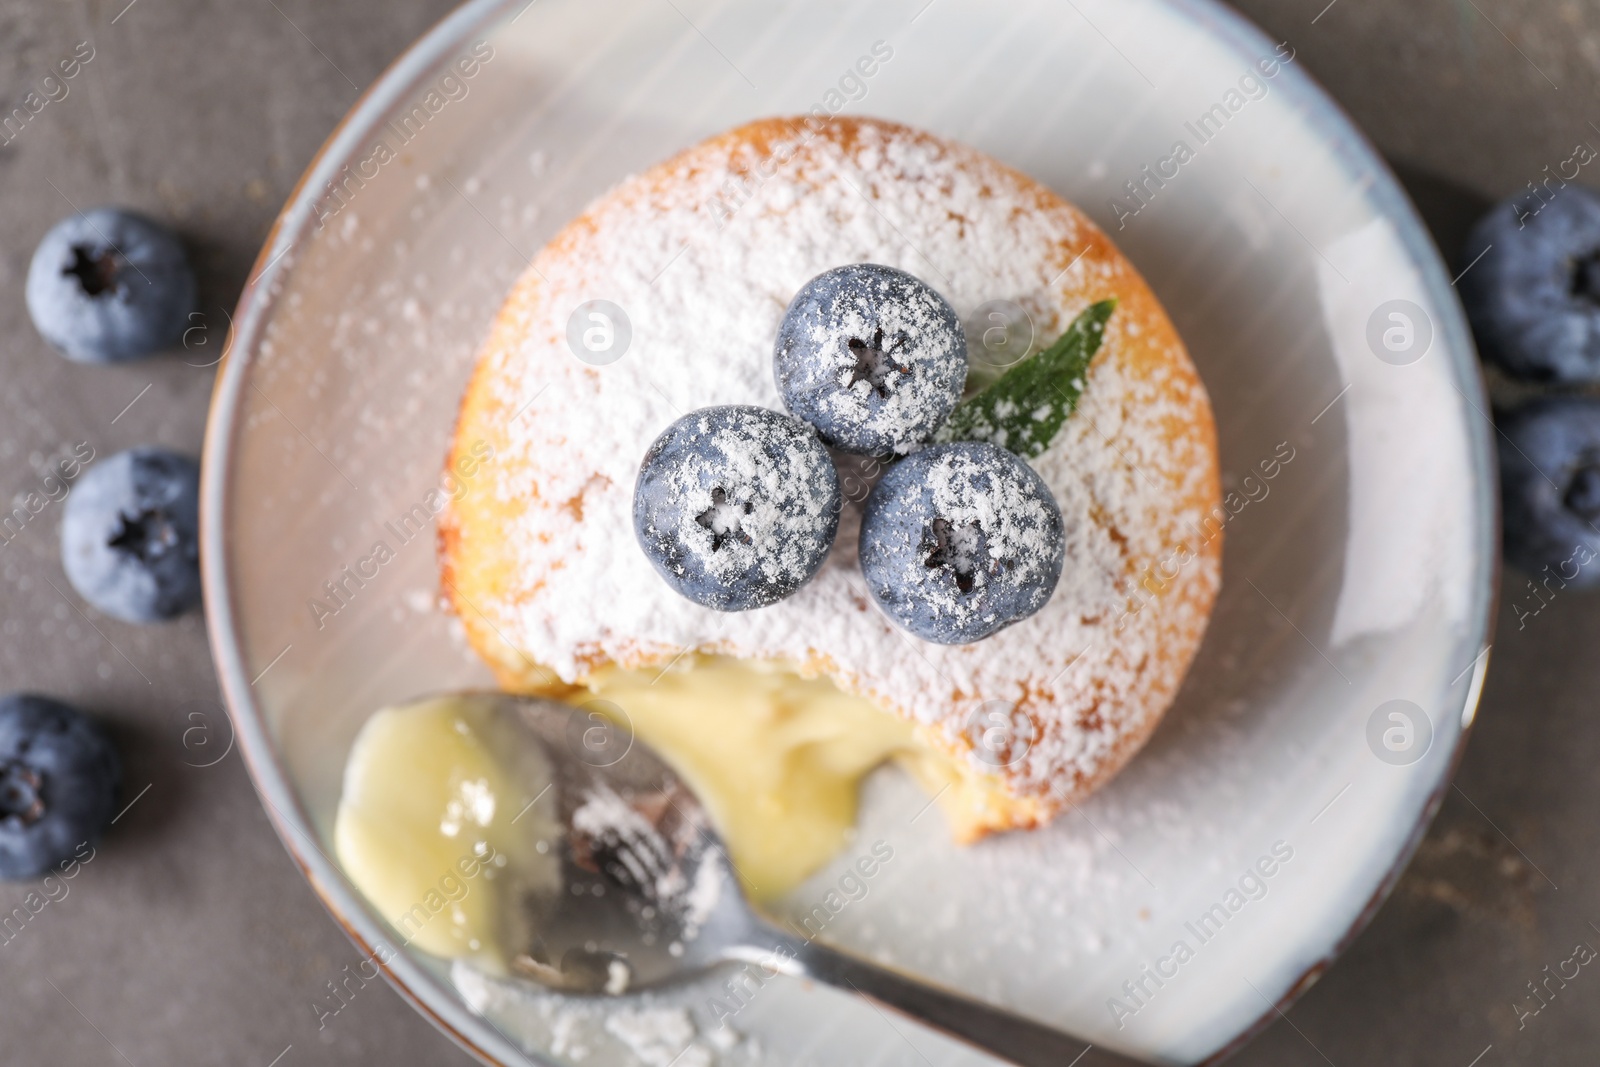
(776, 758)
(431, 790)
(424, 826)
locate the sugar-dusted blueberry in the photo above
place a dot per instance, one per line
(736, 507)
(1550, 488)
(106, 286)
(961, 540)
(130, 535)
(1534, 295)
(58, 782)
(872, 357)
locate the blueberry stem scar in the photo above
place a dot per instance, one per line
(722, 518)
(95, 269)
(954, 547)
(873, 364)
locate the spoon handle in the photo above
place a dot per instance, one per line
(1012, 1037)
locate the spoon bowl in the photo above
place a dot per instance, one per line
(646, 891)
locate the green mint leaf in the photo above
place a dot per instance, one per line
(1026, 407)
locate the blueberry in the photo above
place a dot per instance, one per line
(872, 357)
(110, 286)
(1550, 488)
(736, 506)
(961, 540)
(130, 535)
(58, 782)
(1534, 297)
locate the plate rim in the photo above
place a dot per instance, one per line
(408, 71)
(1396, 204)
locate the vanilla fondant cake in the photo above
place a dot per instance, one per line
(773, 713)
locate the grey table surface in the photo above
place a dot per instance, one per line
(190, 938)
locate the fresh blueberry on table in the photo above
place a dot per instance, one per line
(130, 535)
(736, 507)
(58, 782)
(1550, 489)
(108, 286)
(872, 357)
(959, 541)
(1534, 296)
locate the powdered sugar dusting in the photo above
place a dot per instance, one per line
(652, 1030)
(1128, 471)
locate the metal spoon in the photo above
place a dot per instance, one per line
(648, 896)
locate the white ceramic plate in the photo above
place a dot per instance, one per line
(1356, 576)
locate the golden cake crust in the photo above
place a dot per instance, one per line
(1086, 680)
